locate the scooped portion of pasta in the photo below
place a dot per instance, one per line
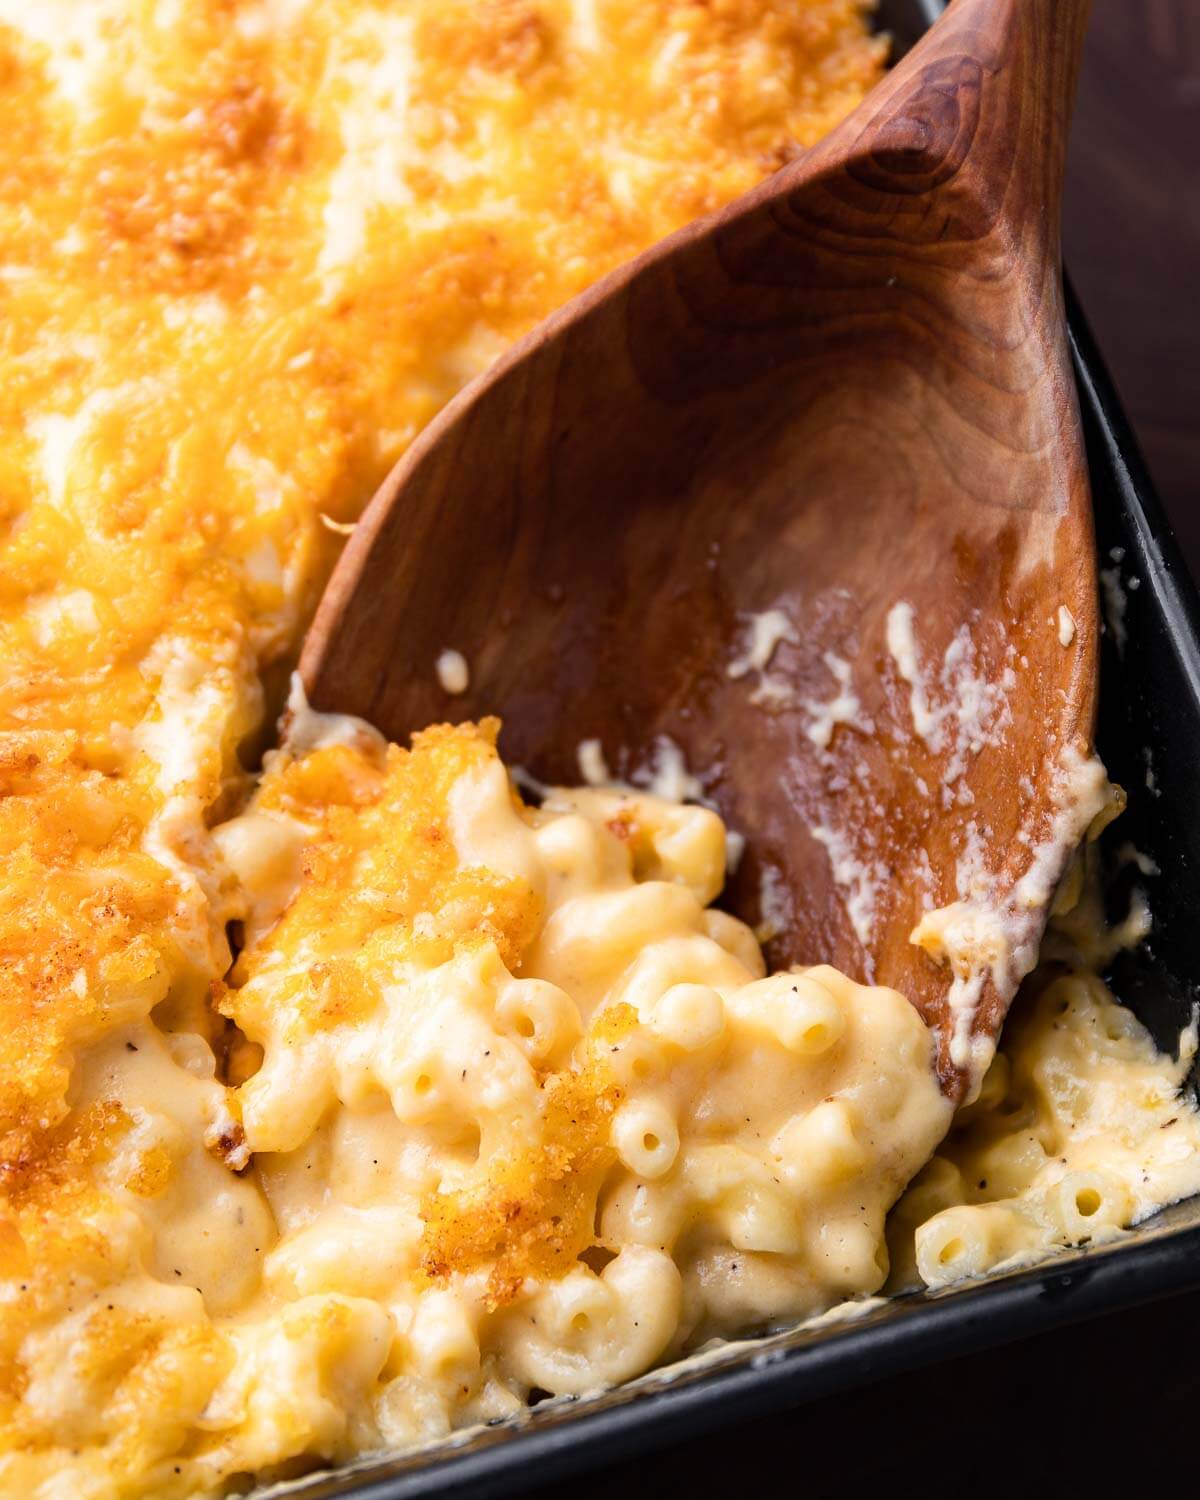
(510, 1109)
(497, 1104)
(523, 1086)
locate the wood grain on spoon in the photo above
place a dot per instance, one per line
(848, 392)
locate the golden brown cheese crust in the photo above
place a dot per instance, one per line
(381, 878)
(250, 248)
(536, 1214)
(246, 258)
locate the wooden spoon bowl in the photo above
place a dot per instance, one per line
(843, 406)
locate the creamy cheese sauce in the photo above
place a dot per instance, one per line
(731, 1157)
(493, 1099)
(1080, 1131)
(519, 1110)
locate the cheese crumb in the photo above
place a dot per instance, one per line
(453, 672)
(342, 528)
(592, 765)
(766, 630)
(902, 648)
(842, 708)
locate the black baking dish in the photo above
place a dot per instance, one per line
(1149, 720)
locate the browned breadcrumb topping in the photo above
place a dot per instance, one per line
(241, 268)
(381, 877)
(536, 1214)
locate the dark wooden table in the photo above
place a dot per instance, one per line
(1113, 1405)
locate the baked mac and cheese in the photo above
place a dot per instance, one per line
(348, 1103)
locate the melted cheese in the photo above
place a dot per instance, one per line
(493, 1099)
(249, 250)
(521, 1086)
(520, 1111)
(1080, 1131)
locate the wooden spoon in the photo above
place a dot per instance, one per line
(843, 406)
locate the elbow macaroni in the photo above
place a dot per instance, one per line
(516, 1112)
(537, 1123)
(1080, 1130)
(521, 1114)
(492, 1101)
(722, 1125)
